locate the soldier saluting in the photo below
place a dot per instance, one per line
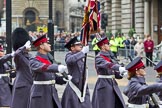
(5, 91)
(23, 81)
(43, 92)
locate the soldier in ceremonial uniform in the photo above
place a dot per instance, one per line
(137, 91)
(76, 94)
(23, 81)
(43, 92)
(5, 90)
(158, 69)
(106, 93)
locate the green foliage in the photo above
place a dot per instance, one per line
(109, 34)
(118, 32)
(131, 32)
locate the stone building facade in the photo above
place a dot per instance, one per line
(67, 14)
(143, 15)
(31, 13)
(73, 11)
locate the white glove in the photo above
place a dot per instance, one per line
(122, 70)
(85, 49)
(28, 44)
(61, 68)
(125, 74)
(13, 54)
(69, 78)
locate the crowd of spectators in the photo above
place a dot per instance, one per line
(127, 47)
(120, 45)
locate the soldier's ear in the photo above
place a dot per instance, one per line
(41, 46)
(72, 48)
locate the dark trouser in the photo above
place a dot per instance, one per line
(115, 54)
(118, 103)
(149, 56)
(96, 52)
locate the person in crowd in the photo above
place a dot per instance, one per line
(94, 45)
(102, 33)
(32, 35)
(139, 49)
(113, 46)
(133, 42)
(137, 91)
(119, 39)
(43, 93)
(23, 81)
(41, 33)
(76, 94)
(107, 93)
(127, 44)
(5, 69)
(148, 48)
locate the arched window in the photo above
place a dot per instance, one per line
(29, 16)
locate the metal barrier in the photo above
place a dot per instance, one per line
(125, 51)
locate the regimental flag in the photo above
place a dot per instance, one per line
(91, 21)
(94, 16)
(85, 26)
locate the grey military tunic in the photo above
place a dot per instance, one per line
(138, 92)
(23, 81)
(75, 67)
(160, 93)
(44, 96)
(107, 93)
(5, 91)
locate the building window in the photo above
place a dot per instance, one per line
(58, 18)
(30, 17)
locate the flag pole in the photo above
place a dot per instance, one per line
(91, 25)
(84, 39)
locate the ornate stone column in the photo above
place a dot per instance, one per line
(147, 17)
(116, 15)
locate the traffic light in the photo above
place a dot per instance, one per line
(104, 20)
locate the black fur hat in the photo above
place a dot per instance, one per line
(19, 37)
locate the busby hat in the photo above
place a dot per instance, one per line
(135, 65)
(19, 37)
(102, 42)
(40, 40)
(73, 41)
(158, 67)
(1, 48)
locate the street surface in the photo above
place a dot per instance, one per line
(60, 57)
